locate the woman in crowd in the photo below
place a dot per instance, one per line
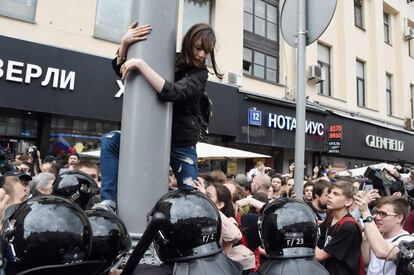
(230, 232)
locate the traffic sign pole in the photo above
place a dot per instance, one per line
(300, 99)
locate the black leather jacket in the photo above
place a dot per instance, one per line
(185, 93)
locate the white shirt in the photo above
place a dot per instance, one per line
(376, 266)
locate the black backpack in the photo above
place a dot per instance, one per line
(206, 111)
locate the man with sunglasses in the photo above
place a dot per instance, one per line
(379, 247)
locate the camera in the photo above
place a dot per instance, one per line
(405, 258)
(386, 183)
(32, 151)
(405, 169)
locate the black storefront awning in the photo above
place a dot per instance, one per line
(41, 78)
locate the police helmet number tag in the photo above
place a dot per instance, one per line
(207, 238)
(294, 242)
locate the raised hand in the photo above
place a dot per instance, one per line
(199, 185)
(130, 65)
(361, 200)
(372, 195)
(135, 33)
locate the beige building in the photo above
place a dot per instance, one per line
(366, 57)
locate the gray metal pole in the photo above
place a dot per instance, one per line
(146, 121)
(300, 99)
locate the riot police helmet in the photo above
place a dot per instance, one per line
(192, 229)
(75, 186)
(110, 238)
(45, 231)
(288, 229)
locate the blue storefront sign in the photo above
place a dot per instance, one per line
(255, 117)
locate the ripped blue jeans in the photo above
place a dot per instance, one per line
(183, 161)
(109, 165)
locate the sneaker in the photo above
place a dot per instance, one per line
(185, 187)
(106, 205)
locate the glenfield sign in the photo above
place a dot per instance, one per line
(384, 143)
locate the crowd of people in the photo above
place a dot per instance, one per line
(344, 206)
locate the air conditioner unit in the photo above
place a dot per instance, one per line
(409, 33)
(316, 74)
(409, 124)
(234, 78)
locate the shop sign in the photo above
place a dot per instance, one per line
(231, 167)
(335, 138)
(21, 72)
(335, 131)
(17, 71)
(289, 123)
(255, 117)
(384, 143)
(121, 88)
(334, 147)
(283, 122)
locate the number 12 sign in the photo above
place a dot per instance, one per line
(255, 117)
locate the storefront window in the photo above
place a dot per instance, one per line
(18, 131)
(68, 135)
(17, 126)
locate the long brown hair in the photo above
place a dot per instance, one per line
(208, 41)
(224, 195)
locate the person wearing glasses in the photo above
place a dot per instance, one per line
(383, 232)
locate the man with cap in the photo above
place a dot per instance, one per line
(242, 181)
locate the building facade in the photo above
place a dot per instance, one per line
(366, 57)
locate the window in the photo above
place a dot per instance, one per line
(112, 19)
(261, 18)
(196, 11)
(388, 91)
(18, 124)
(360, 83)
(412, 100)
(19, 9)
(259, 65)
(68, 132)
(324, 61)
(261, 36)
(387, 32)
(359, 13)
(411, 48)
